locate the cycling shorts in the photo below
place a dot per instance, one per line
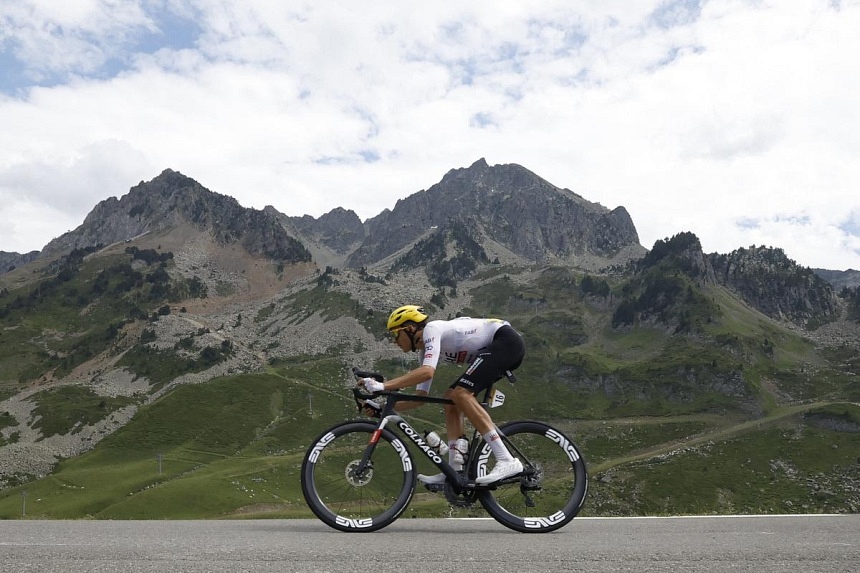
(504, 353)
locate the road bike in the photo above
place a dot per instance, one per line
(359, 475)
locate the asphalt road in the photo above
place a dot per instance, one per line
(795, 544)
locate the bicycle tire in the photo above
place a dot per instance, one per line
(545, 500)
(353, 503)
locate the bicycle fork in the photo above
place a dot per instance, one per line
(358, 471)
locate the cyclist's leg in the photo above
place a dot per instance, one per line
(504, 353)
(453, 417)
(454, 429)
(467, 405)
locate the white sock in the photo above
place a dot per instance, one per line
(499, 450)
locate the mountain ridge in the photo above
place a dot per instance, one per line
(173, 284)
(511, 206)
(338, 235)
(170, 199)
(472, 217)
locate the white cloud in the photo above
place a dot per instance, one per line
(47, 198)
(696, 116)
(75, 37)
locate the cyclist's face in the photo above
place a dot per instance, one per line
(401, 339)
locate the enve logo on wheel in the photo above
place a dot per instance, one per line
(564, 443)
(541, 522)
(318, 448)
(354, 523)
(400, 448)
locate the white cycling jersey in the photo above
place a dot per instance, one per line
(456, 341)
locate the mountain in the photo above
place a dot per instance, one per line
(839, 279)
(171, 200)
(9, 261)
(507, 211)
(771, 282)
(175, 322)
(330, 239)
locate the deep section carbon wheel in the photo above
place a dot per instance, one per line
(350, 495)
(550, 491)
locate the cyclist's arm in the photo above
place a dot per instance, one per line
(411, 378)
(401, 406)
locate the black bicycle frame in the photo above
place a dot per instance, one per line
(388, 414)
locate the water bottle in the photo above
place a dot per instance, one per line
(435, 442)
(459, 449)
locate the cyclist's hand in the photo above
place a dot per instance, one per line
(371, 385)
(371, 408)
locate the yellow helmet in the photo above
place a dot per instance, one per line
(404, 314)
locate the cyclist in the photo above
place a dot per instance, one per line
(490, 347)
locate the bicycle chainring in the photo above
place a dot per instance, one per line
(465, 498)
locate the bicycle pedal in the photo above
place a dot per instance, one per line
(494, 484)
(435, 487)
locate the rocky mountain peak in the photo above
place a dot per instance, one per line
(770, 281)
(683, 252)
(339, 230)
(8, 261)
(510, 206)
(172, 199)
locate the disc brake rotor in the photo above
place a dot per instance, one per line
(356, 479)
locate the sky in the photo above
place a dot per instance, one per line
(736, 120)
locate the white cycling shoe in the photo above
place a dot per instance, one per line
(432, 480)
(501, 471)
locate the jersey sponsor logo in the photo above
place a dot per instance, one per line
(456, 357)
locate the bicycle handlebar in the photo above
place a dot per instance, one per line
(396, 394)
(363, 374)
(359, 395)
(362, 397)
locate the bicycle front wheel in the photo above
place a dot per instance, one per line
(550, 491)
(348, 497)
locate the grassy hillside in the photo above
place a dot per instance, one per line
(81, 307)
(683, 401)
(233, 447)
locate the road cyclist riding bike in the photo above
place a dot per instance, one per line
(359, 475)
(490, 347)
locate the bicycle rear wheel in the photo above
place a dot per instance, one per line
(346, 499)
(552, 488)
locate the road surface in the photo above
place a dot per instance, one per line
(796, 544)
